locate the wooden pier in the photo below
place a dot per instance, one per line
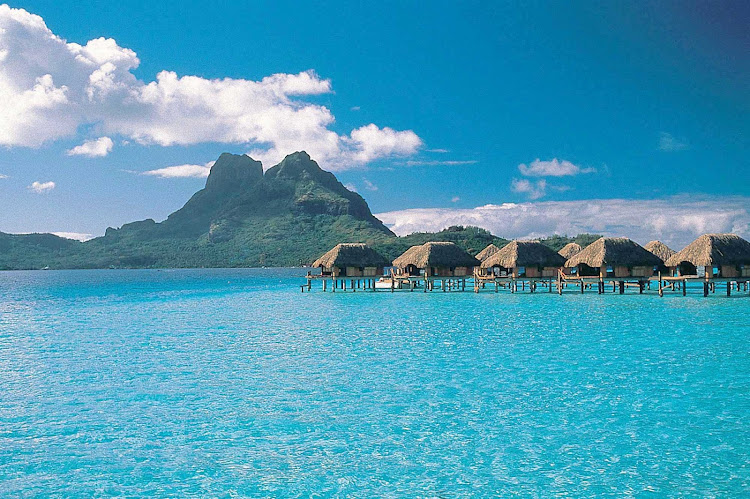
(563, 283)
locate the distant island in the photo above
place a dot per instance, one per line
(287, 216)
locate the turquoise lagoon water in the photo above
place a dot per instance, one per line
(232, 383)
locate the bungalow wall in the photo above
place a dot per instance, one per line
(642, 271)
(729, 271)
(549, 272)
(448, 271)
(461, 271)
(621, 271)
(533, 272)
(352, 271)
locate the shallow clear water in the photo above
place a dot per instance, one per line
(233, 383)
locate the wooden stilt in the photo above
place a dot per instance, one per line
(684, 288)
(729, 288)
(661, 289)
(622, 287)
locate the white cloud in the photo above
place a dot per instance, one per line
(351, 187)
(534, 190)
(455, 199)
(92, 148)
(3, 176)
(439, 151)
(552, 168)
(676, 220)
(52, 87)
(670, 143)
(41, 187)
(354, 108)
(78, 236)
(440, 163)
(369, 185)
(182, 171)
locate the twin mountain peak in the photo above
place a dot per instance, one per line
(243, 217)
(292, 203)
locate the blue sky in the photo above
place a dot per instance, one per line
(638, 102)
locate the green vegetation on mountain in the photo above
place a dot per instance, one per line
(242, 218)
(557, 242)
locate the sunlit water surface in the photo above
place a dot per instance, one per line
(233, 383)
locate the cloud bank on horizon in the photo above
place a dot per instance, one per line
(52, 87)
(676, 220)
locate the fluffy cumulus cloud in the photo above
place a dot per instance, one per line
(533, 190)
(41, 187)
(552, 168)
(52, 87)
(676, 220)
(182, 171)
(96, 148)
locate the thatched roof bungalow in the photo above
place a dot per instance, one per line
(614, 257)
(487, 252)
(570, 250)
(721, 255)
(660, 249)
(436, 259)
(524, 259)
(351, 260)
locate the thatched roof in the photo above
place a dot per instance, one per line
(351, 255)
(569, 250)
(660, 249)
(436, 254)
(487, 252)
(524, 254)
(714, 249)
(614, 251)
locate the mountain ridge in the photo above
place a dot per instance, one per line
(243, 217)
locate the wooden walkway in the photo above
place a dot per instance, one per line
(561, 283)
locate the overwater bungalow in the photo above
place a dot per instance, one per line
(662, 251)
(614, 257)
(524, 259)
(712, 256)
(356, 262)
(351, 260)
(570, 250)
(435, 259)
(487, 252)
